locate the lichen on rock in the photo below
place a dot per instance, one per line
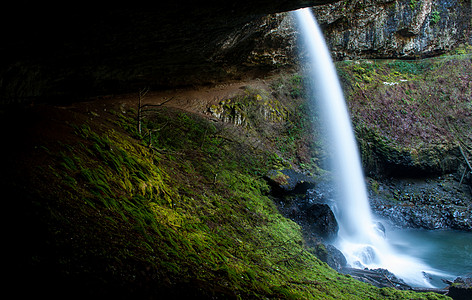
(248, 109)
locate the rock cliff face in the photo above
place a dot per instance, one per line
(395, 28)
(360, 29)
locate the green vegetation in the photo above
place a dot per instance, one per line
(435, 17)
(410, 110)
(410, 102)
(181, 211)
(299, 140)
(278, 119)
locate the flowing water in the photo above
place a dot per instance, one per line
(358, 237)
(447, 250)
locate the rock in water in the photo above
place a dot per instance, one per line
(322, 221)
(380, 228)
(331, 255)
(461, 289)
(377, 277)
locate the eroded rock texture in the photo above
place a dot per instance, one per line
(395, 28)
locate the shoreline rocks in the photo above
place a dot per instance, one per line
(430, 203)
(377, 277)
(460, 289)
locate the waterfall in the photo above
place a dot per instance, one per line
(358, 239)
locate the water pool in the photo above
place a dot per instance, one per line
(447, 252)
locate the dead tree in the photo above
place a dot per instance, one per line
(142, 108)
(142, 93)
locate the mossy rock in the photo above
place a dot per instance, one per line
(289, 181)
(382, 156)
(461, 288)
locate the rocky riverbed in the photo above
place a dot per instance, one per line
(441, 202)
(430, 203)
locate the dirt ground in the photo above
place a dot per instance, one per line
(196, 100)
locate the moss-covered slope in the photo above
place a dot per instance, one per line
(105, 213)
(411, 117)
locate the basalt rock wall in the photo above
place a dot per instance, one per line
(405, 29)
(395, 28)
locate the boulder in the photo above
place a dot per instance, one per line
(321, 221)
(289, 181)
(380, 228)
(378, 277)
(335, 259)
(331, 255)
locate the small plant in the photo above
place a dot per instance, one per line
(435, 17)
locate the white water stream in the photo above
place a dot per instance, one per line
(359, 240)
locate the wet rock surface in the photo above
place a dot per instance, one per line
(311, 208)
(377, 277)
(431, 203)
(461, 289)
(321, 220)
(289, 181)
(330, 255)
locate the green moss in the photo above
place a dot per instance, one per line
(187, 211)
(250, 109)
(363, 72)
(435, 17)
(280, 178)
(375, 186)
(412, 113)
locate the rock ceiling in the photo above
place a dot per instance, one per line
(83, 50)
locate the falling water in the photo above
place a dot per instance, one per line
(358, 238)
